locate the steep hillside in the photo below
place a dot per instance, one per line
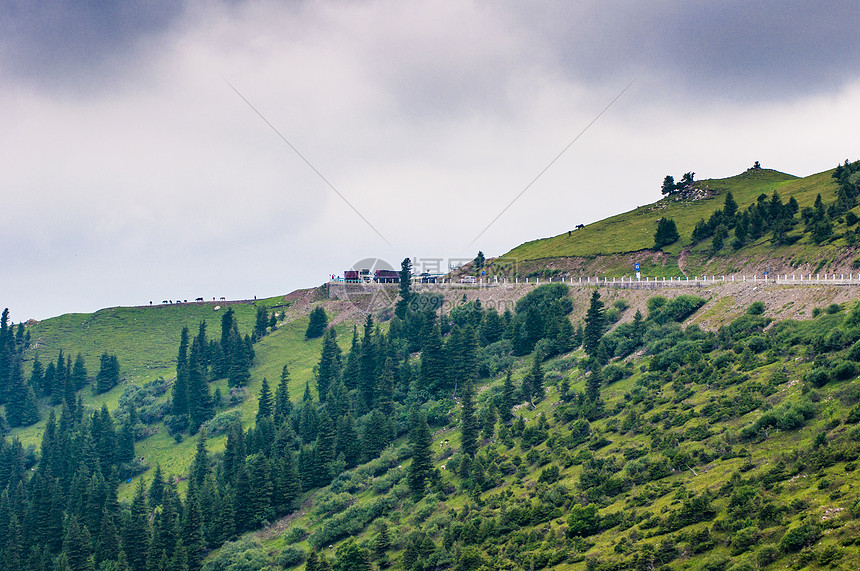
(734, 448)
(454, 426)
(610, 247)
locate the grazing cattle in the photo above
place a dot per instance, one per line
(578, 226)
(165, 301)
(199, 299)
(222, 298)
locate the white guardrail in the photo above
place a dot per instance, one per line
(645, 282)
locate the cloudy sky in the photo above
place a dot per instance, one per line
(131, 170)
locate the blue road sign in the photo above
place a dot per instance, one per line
(636, 266)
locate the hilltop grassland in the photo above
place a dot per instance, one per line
(634, 230)
(610, 247)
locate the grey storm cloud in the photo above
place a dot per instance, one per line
(57, 42)
(130, 171)
(732, 49)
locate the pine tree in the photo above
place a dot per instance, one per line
(488, 420)
(405, 288)
(59, 385)
(107, 542)
(38, 510)
(328, 369)
(192, 533)
(242, 500)
(122, 562)
(233, 458)
(125, 441)
(462, 349)
(179, 402)
(106, 439)
(283, 405)
(261, 324)
(375, 436)
(167, 532)
(325, 448)
(260, 484)
(292, 484)
(6, 354)
(339, 401)
(422, 463)
(37, 376)
(69, 389)
(108, 375)
(77, 545)
(47, 386)
(730, 208)
(592, 384)
(367, 368)
(468, 422)
(347, 442)
(156, 488)
(669, 185)
(434, 364)
(79, 372)
(382, 544)
(21, 407)
(200, 403)
(318, 321)
(595, 322)
(492, 328)
(136, 536)
(264, 406)
(200, 465)
(308, 419)
(667, 233)
(351, 370)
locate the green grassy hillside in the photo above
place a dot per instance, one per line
(634, 231)
(717, 430)
(146, 341)
(730, 450)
